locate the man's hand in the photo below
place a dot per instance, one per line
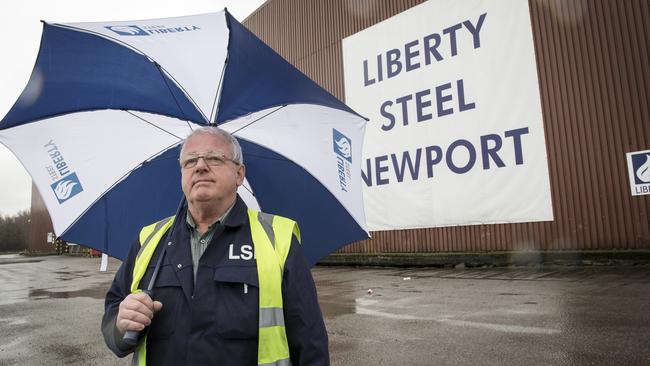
(136, 312)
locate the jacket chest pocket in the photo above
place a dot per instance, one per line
(167, 289)
(237, 301)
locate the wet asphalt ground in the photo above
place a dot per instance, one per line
(51, 307)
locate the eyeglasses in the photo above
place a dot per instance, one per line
(211, 159)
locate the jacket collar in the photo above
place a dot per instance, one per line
(233, 218)
(179, 253)
(237, 215)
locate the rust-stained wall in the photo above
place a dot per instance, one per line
(593, 59)
(40, 225)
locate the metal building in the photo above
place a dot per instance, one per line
(39, 226)
(592, 63)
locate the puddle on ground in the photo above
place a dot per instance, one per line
(333, 309)
(9, 256)
(95, 293)
(71, 275)
(13, 321)
(333, 305)
(19, 260)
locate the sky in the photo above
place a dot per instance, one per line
(20, 34)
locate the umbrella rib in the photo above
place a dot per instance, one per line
(162, 75)
(249, 191)
(217, 96)
(264, 116)
(269, 158)
(160, 68)
(155, 125)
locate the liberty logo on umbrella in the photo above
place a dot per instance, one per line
(67, 187)
(147, 30)
(127, 30)
(66, 183)
(343, 149)
(342, 145)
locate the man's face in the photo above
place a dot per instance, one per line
(205, 182)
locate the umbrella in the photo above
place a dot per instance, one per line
(100, 122)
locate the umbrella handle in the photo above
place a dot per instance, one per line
(131, 337)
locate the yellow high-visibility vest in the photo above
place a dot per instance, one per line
(271, 236)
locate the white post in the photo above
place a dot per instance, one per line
(104, 265)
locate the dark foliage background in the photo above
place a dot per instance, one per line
(13, 231)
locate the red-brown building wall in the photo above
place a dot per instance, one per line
(39, 226)
(593, 60)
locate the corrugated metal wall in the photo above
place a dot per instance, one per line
(593, 60)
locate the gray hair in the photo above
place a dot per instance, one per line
(237, 155)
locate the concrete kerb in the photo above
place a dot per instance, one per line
(491, 259)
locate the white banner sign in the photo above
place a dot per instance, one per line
(638, 168)
(455, 134)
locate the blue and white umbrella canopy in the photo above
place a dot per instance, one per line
(99, 126)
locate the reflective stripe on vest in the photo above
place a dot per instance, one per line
(271, 237)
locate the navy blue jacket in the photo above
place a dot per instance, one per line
(215, 322)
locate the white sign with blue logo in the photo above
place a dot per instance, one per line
(638, 167)
(456, 133)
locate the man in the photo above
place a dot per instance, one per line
(223, 294)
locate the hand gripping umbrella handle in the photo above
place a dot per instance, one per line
(131, 337)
